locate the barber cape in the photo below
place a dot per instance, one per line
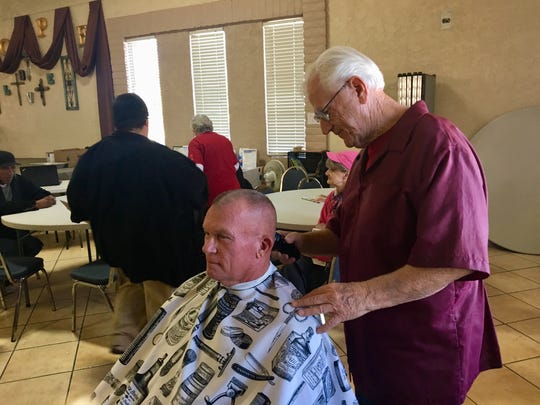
(209, 344)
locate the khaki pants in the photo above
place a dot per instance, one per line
(135, 304)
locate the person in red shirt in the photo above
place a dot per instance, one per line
(214, 155)
(412, 237)
(338, 166)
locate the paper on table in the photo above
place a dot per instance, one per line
(318, 199)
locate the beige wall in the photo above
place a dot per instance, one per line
(245, 63)
(486, 63)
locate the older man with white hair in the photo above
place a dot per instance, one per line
(412, 236)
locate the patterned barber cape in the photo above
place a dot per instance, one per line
(214, 345)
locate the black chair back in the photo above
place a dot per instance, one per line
(44, 175)
(309, 182)
(291, 178)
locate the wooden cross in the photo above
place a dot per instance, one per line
(18, 84)
(42, 89)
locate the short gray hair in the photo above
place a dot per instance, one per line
(255, 201)
(339, 63)
(201, 123)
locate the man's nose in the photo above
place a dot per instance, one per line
(209, 246)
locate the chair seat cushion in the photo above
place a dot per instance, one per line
(94, 273)
(23, 266)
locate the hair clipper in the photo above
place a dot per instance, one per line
(283, 247)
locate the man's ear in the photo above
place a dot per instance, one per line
(266, 244)
(360, 87)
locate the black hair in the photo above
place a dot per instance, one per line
(129, 112)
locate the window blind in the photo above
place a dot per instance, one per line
(284, 85)
(142, 71)
(209, 77)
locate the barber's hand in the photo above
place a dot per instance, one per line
(338, 302)
(46, 202)
(283, 258)
(291, 237)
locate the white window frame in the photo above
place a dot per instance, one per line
(209, 77)
(142, 74)
(284, 85)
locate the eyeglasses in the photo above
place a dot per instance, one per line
(322, 114)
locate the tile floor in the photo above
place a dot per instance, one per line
(51, 365)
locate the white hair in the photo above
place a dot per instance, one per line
(201, 123)
(339, 63)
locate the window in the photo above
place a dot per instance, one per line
(284, 81)
(142, 71)
(209, 77)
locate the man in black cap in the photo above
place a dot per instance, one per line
(19, 195)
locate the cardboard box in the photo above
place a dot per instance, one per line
(71, 156)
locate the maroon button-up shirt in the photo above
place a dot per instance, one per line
(423, 202)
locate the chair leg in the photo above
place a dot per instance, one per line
(74, 308)
(48, 285)
(16, 314)
(104, 292)
(2, 295)
(24, 283)
(68, 239)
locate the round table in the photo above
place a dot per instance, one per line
(58, 189)
(295, 210)
(54, 218)
(513, 178)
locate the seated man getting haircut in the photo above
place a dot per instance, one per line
(230, 333)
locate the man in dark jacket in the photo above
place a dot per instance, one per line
(145, 204)
(19, 195)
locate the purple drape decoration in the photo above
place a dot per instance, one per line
(96, 54)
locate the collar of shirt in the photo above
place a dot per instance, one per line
(250, 284)
(396, 137)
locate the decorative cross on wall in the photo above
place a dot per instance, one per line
(41, 89)
(18, 83)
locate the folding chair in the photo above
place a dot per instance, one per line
(309, 182)
(98, 275)
(17, 270)
(291, 178)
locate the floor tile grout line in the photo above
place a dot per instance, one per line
(524, 334)
(521, 360)
(79, 336)
(521, 300)
(514, 292)
(75, 332)
(509, 323)
(517, 275)
(33, 306)
(521, 376)
(33, 377)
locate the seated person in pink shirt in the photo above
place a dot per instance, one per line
(308, 273)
